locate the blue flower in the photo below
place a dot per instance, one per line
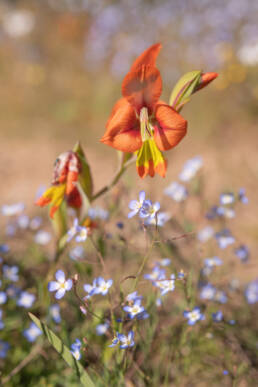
(12, 209)
(76, 349)
(221, 297)
(98, 212)
(135, 309)
(205, 234)
(225, 372)
(242, 252)
(115, 341)
(61, 285)
(181, 274)
(166, 285)
(208, 292)
(190, 168)
(224, 238)
(211, 262)
(13, 291)
(80, 233)
(194, 315)
(133, 296)
(101, 329)
(11, 272)
(176, 192)
(42, 237)
(26, 299)
(54, 311)
(32, 332)
(100, 286)
(3, 298)
(165, 262)
(4, 249)
(156, 274)
(251, 292)
(88, 289)
(126, 341)
(136, 205)
(242, 197)
(23, 221)
(4, 347)
(35, 223)
(162, 218)
(227, 198)
(217, 316)
(149, 210)
(77, 253)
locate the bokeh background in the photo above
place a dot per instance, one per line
(61, 67)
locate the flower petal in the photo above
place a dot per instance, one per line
(53, 286)
(60, 293)
(142, 87)
(68, 284)
(148, 57)
(171, 127)
(60, 276)
(123, 128)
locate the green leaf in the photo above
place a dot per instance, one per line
(59, 220)
(184, 89)
(64, 352)
(85, 178)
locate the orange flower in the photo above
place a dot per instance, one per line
(66, 172)
(140, 122)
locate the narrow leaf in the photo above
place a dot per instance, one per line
(184, 89)
(85, 177)
(64, 352)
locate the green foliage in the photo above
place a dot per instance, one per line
(184, 89)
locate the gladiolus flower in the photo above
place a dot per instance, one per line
(140, 122)
(66, 172)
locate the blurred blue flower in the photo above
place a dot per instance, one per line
(1, 321)
(165, 262)
(205, 234)
(23, 221)
(224, 238)
(190, 168)
(227, 198)
(136, 205)
(32, 332)
(26, 299)
(115, 341)
(156, 274)
(4, 249)
(242, 197)
(10, 229)
(242, 252)
(100, 286)
(11, 272)
(211, 262)
(225, 372)
(61, 285)
(207, 292)
(101, 329)
(77, 253)
(220, 297)
(149, 210)
(176, 192)
(35, 223)
(54, 311)
(133, 296)
(126, 341)
(162, 218)
(194, 315)
(251, 292)
(217, 316)
(12, 291)
(134, 309)
(98, 212)
(80, 233)
(4, 347)
(88, 289)
(76, 349)
(166, 285)
(181, 274)
(12, 209)
(42, 237)
(3, 298)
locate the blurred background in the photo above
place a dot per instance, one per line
(61, 67)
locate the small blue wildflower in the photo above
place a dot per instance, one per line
(42, 237)
(217, 316)
(26, 300)
(136, 205)
(143, 315)
(224, 238)
(232, 322)
(162, 219)
(167, 285)
(115, 341)
(156, 274)
(227, 198)
(12, 209)
(225, 372)
(221, 297)
(190, 168)
(80, 233)
(77, 253)
(158, 302)
(176, 192)
(206, 271)
(205, 234)
(101, 329)
(88, 289)
(133, 296)
(76, 349)
(242, 252)
(11, 273)
(12, 291)
(126, 341)
(32, 332)
(10, 230)
(98, 213)
(120, 225)
(23, 221)
(211, 262)
(242, 197)
(207, 292)
(194, 315)
(251, 292)
(3, 298)
(149, 210)
(165, 262)
(54, 311)
(135, 309)
(61, 285)
(35, 223)
(4, 249)
(4, 347)
(181, 274)
(214, 212)
(100, 286)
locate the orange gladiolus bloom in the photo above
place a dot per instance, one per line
(66, 172)
(140, 122)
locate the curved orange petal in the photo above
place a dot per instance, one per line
(148, 57)
(142, 87)
(206, 78)
(122, 129)
(170, 127)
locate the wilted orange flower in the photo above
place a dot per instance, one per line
(140, 122)
(66, 172)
